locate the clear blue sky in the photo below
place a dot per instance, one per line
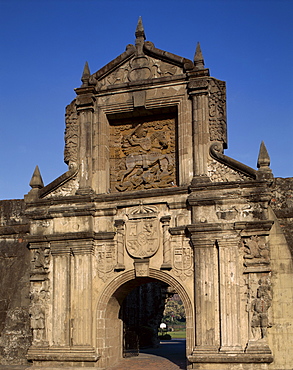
(45, 43)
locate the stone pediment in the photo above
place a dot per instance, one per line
(134, 65)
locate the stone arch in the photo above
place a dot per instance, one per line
(109, 326)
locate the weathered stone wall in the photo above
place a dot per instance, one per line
(282, 204)
(281, 242)
(15, 333)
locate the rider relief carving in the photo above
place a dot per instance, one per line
(143, 155)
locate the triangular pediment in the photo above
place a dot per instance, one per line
(134, 65)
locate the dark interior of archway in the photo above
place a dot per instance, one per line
(141, 312)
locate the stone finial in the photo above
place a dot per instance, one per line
(263, 163)
(263, 157)
(198, 58)
(85, 75)
(139, 32)
(36, 180)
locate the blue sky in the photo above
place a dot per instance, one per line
(45, 43)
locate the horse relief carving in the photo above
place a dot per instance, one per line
(143, 156)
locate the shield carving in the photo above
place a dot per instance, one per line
(182, 257)
(105, 258)
(142, 238)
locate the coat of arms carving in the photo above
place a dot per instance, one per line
(183, 260)
(142, 232)
(142, 238)
(105, 257)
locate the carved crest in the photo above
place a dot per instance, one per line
(182, 258)
(142, 231)
(142, 238)
(105, 256)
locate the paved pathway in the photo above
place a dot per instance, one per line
(169, 356)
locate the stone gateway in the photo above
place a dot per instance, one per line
(149, 197)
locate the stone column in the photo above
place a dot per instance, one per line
(85, 109)
(81, 294)
(119, 224)
(229, 294)
(207, 339)
(166, 243)
(61, 295)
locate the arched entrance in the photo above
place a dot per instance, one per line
(110, 326)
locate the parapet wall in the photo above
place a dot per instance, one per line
(15, 332)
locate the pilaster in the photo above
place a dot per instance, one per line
(198, 90)
(229, 293)
(81, 293)
(85, 108)
(61, 294)
(120, 228)
(207, 323)
(165, 220)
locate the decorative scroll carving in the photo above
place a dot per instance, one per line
(143, 155)
(71, 134)
(140, 67)
(163, 69)
(217, 111)
(69, 188)
(256, 251)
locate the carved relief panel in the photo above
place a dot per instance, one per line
(142, 154)
(256, 252)
(71, 134)
(217, 111)
(140, 67)
(256, 267)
